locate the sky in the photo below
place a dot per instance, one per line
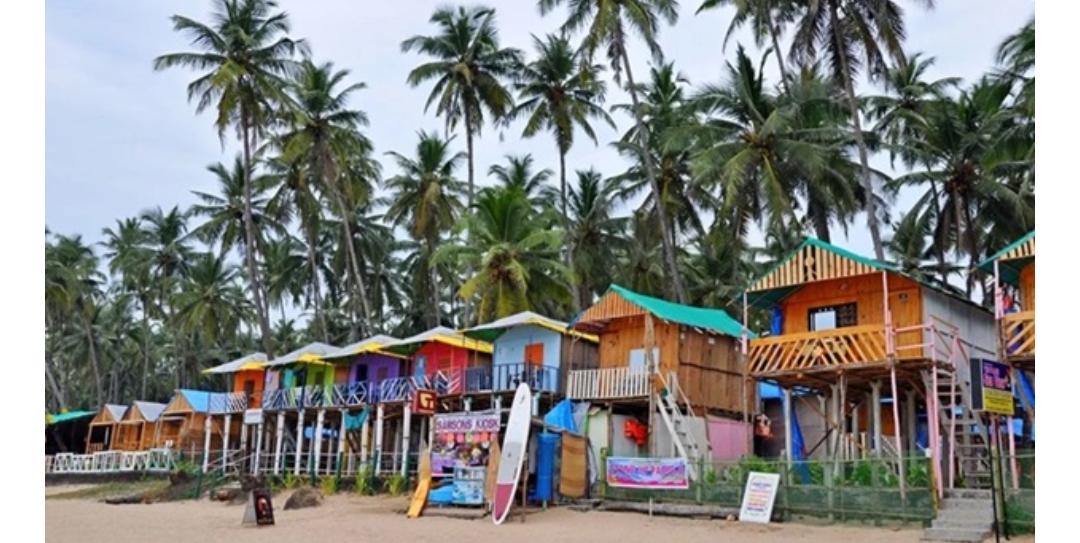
(121, 138)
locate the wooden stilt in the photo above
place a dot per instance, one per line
(207, 434)
(341, 444)
(259, 431)
(299, 442)
(406, 422)
(363, 443)
(225, 442)
(896, 434)
(317, 442)
(379, 422)
(875, 416)
(279, 441)
(243, 443)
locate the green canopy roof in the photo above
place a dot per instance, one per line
(716, 320)
(1009, 268)
(70, 415)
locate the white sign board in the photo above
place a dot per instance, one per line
(253, 416)
(759, 497)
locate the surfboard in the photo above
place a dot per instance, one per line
(513, 453)
(423, 485)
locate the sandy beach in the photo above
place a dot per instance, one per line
(348, 518)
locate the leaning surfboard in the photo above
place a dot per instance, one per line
(513, 453)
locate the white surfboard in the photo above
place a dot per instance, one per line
(514, 448)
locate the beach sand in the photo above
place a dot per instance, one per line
(353, 519)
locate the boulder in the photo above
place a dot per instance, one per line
(304, 497)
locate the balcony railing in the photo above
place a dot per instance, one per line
(608, 383)
(353, 395)
(228, 402)
(1018, 334)
(813, 350)
(507, 377)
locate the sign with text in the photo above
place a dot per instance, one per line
(650, 473)
(253, 416)
(424, 402)
(759, 497)
(467, 423)
(991, 387)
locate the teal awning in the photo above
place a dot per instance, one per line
(1009, 268)
(70, 415)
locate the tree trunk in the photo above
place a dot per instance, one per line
(146, 344)
(469, 146)
(575, 291)
(665, 228)
(775, 34)
(973, 248)
(860, 140)
(434, 279)
(251, 247)
(354, 263)
(94, 365)
(939, 247)
(316, 288)
(59, 397)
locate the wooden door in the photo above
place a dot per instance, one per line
(534, 354)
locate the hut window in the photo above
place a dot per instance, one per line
(361, 373)
(534, 354)
(834, 316)
(249, 388)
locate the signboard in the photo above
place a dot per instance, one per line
(759, 497)
(649, 473)
(463, 440)
(424, 402)
(253, 416)
(991, 387)
(260, 508)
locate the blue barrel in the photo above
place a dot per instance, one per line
(545, 465)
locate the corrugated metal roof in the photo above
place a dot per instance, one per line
(116, 411)
(440, 334)
(369, 345)
(312, 352)
(151, 411)
(716, 320)
(199, 400)
(492, 330)
(252, 361)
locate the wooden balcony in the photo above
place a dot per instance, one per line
(609, 384)
(1018, 335)
(810, 351)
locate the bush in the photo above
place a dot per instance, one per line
(363, 482)
(395, 485)
(328, 485)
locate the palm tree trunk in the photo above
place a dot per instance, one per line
(665, 229)
(354, 265)
(775, 34)
(145, 345)
(860, 140)
(939, 246)
(469, 146)
(316, 288)
(94, 365)
(434, 275)
(575, 293)
(59, 397)
(249, 236)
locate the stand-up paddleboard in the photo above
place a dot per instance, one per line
(513, 453)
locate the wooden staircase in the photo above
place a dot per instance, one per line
(968, 453)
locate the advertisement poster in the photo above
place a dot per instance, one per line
(992, 388)
(759, 497)
(650, 473)
(463, 440)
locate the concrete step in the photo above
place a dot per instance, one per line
(969, 494)
(952, 524)
(954, 535)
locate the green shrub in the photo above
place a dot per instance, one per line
(328, 485)
(363, 482)
(395, 485)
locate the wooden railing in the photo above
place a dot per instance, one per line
(813, 350)
(608, 383)
(157, 460)
(228, 402)
(1018, 334)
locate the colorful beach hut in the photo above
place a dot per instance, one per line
(182, 423)
(361, 366)
(136, 430)
(245, 375)
(103, 427)
(440, 357)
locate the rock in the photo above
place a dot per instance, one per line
(731, 517)
(228, 494)
(304, 497)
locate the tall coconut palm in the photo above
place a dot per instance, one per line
(126, 251)
(425, 200)
(595, 233)
(325, 134)
(211, 302)
(242, 55)
(77, 298)
(518, 171)
(224, 213)
(469, 68)
(607, 24)
(516, 257)
(853, 35)
(766, 19)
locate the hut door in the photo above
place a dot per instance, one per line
(534, 354)
(420, 368)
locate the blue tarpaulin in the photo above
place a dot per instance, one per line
(798, 447)
(777, 324)
(561, 417)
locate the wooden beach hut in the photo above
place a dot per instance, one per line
(871, 342)
(361, 366)
(183, 421)
(440, 357)
(136, 430)
(103, 427)
(670, 376)
(298, 383)
(533, 349)
(1013, 270)
(246, 375)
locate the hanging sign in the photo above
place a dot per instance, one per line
(260, 508)
(759, 497)
(463, 441)
(424, 402)
(464, 423)
(991, 387)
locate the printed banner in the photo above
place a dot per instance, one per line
(465, 423)
(653, 473)
(992, 387)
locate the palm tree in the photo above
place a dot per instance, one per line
(126, 251)
(560, 92)
(606, 24)
(224, 212)
(77, 296)
(171, 257)
(326, 135)
(243, 53)
(211, 302)
(518, 172)
(468, 67)
(594, 233)
(853, 35)
(425, 199)
(517, 258)
(766, 19)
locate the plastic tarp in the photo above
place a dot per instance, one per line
(356, 422)
(798, 446)
(561, 417)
